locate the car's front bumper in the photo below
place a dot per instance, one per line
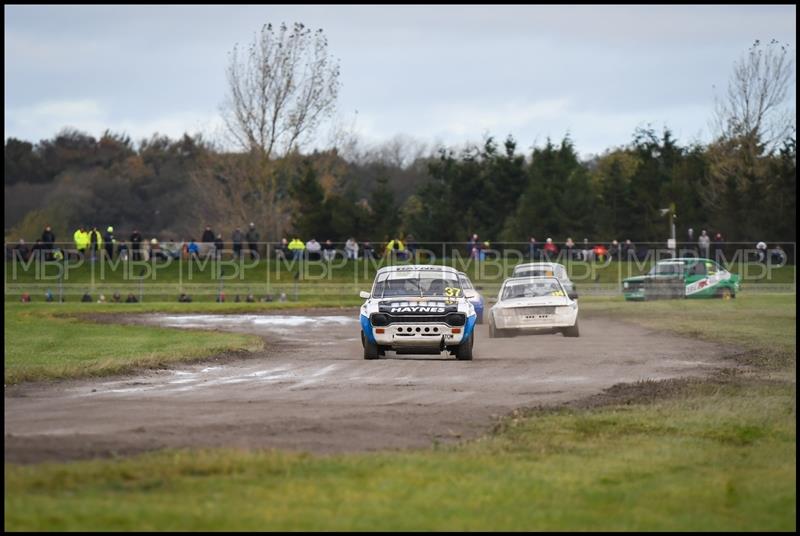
(422, 335)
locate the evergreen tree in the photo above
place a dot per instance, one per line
(311, 216)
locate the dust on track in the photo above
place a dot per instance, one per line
(311, 390)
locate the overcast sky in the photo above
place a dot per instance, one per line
(441, 74)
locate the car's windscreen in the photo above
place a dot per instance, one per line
(671, 268)
(425, 284)
(533, 288)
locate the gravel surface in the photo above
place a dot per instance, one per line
(310, 389)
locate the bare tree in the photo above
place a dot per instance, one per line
(750, 122)
(754, 105)
(280, 89)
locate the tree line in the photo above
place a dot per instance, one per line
(173, 188)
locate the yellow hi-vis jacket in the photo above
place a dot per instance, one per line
(81, 239)
(296, 244)
(390, 246)
(98, 239)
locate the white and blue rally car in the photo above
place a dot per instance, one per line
(417, 309)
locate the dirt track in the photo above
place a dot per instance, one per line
(312, 390)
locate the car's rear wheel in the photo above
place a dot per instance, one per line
(572, 331)
(464, 350)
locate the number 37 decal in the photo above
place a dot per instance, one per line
(452, 292)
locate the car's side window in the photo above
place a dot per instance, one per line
(711, 267)
(699, 268)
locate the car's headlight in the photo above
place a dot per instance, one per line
(379, 319)
(625, 284)
(456, 319)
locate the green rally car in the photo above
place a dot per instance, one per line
(682, 278)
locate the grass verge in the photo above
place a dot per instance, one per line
(44, 343)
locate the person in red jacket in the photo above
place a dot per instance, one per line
(550, 249)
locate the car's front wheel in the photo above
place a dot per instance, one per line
(726, 293)
(370, 348)
(464, 350)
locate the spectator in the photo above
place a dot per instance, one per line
(237, 243)
(252, 241)
(48, 296)
(613, 250)
(87, 298)
(207, 239)
(351, 248)
(778, 256)
(95, 242)
(587, 250)
(192, 249)
(109, 241)
(473, 246)
(369, 252)
(704, 244)
(184, 298)
(690, 251)
(719, 242)
(136, 245)
(328, 251)
(550, 249)
(116, 298)
(219, 245)
(81, 239)
(25, 297)
(282, 251)
(629, 250)
(131, 298)
(486, 246)
(49, 240)
(172, 249)
(569, 245)
(395, 248)
(22, 252)
(761, 250)
(296, 246)
(156, 252)
(313, 247)
(533, 249)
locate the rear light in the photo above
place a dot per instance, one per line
(379, 330)
(456, 330)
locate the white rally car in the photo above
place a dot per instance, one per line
(529, 305)
(417, 309)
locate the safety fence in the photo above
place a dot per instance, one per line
(169, 272)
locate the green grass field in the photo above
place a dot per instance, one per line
(42, 346)
(708, 455)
